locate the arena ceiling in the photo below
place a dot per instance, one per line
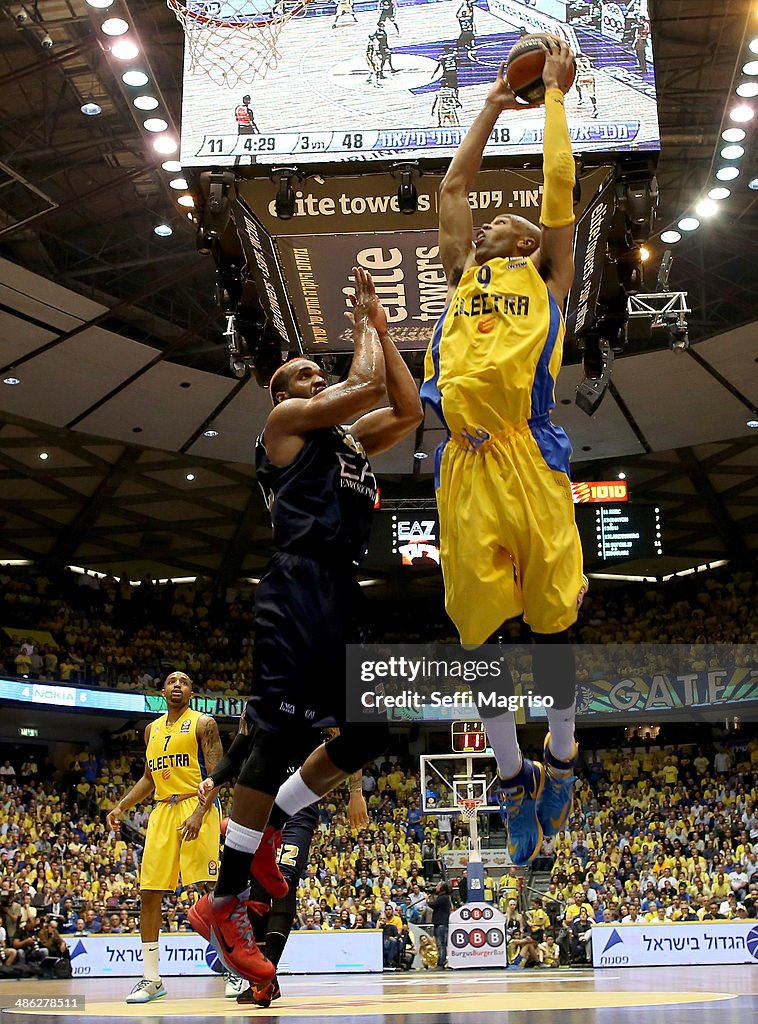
(117, 340)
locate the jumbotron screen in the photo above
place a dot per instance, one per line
(380, 80)
(609, 533)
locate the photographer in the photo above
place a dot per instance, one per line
(440, 907)
(8, 954)
(50, 938)
(27, 944)
(10, 910)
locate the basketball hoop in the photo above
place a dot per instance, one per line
(469, 807)
(232, 41)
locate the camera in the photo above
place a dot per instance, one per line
(47, 42)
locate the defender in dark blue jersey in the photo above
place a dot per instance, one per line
(320, 491)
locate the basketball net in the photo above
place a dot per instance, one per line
(469, 807)
(232, 41)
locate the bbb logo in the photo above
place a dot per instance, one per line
(213, 960)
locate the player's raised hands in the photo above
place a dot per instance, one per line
(366, 302)
(558, 63)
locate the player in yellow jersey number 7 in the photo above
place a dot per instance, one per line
(183, 836)
(509, 543)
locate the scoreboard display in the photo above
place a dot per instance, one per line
(468, 737)
(380, 80)
(619, 532)
(610, 533)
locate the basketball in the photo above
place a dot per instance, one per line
(524, 67)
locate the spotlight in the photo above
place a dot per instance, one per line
(753, 45)
(641, 201)
(190, 477)
(689, 224)
(91, 109)
(125, 50)
(163, 230)
(719, 193)
(47, 42)
(706, 208)
(662, 283)
(186, 200)
(669, 237)
(420, 455)
(115, 26)
(732, 152)
(180, 184)
(742, 113)
(678, 338)
(752, 423)
(44, 456)
(145, 102)
(172, 166)
(629, 271)
(644, 254)
(733, 134)
(751, 68)
(753, 184)
(210, 433)
(11, 381)
(136, 79)
(407, 193)
(100, 5)
(727, 173)
(622, 476)
(217, 207)
(285, 200)
(747, 90)
(155, 124)
(165, 144)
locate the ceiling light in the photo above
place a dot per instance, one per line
(155, 124)
(420, 455)
(732, 152)
(179, 184)
(753, 46)
(669, 237)
(172, 166)
(210, 433)
(165, 144)
(747, 90)
(186, 200)
(728, 173)
(91, 109)
(753, 424)
(644, 254)
(706, 208)
(689, 223)
(100, 5)
(44, 456)
(115, 26)
(135, 78)
(741, 113)
(11, 380)
(733, 134)
(719, 193)
(622, 476)
(163, 230)
(751, 68)
(753, 183)
(145, 102)
(190, 477)
(125, 49)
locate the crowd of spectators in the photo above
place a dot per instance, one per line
(106, 632)
(658, 833)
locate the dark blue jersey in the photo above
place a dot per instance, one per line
(321, 503)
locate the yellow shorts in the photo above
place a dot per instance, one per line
(508, 538)
(166, 857)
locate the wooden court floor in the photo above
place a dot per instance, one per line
(666, 995)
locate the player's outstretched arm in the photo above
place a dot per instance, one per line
(340, 403)
(456, 222)
(555, 257)
(379, 430)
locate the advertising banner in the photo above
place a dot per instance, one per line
(186, 953)
(476, 937)
(682, 943)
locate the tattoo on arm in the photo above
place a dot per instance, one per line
(210, 744)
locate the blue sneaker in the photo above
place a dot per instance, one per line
(557, 797)
(519, 796)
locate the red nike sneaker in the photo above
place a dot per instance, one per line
(261, 995)
(265, 868)
(224, 922)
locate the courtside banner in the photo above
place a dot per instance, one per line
(188, 954)
(709, 943)
(476, 937)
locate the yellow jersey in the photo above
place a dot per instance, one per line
(174, 757)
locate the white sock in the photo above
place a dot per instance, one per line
(239, 837)
(561, 725)
(150, 961)
(502, 737)
(294, 795)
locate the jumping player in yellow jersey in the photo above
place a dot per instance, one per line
(509, 542)
(183, 836)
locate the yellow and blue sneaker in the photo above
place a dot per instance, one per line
(557, 797)
(518, 796)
